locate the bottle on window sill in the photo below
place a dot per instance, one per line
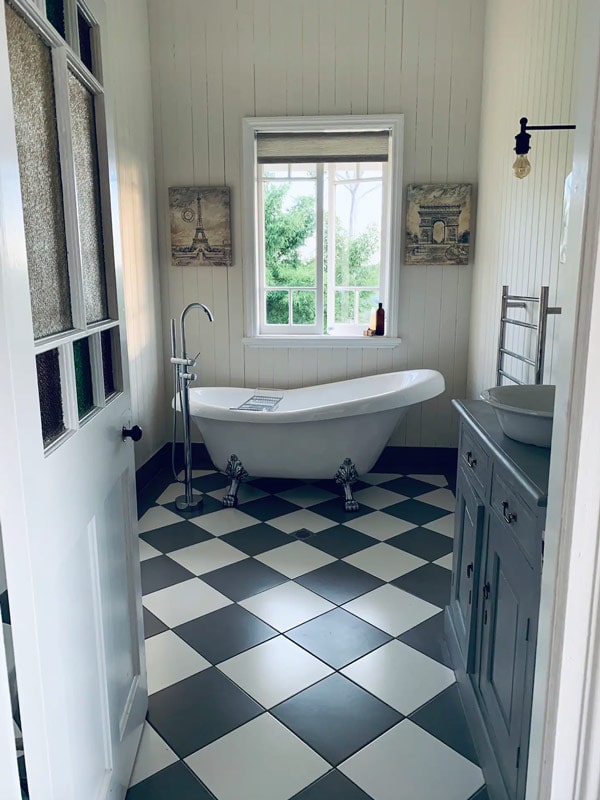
(380, 320)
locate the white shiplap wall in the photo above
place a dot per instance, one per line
(528, 71)
(128, 63)
(215, 62)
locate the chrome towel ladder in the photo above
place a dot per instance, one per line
(521, 301)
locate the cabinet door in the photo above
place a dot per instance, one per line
(509, 594)
(468, 535)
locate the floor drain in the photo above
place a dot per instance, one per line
(302, 533)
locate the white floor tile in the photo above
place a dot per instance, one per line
(147, 551)
(157, 517)
(198, 473)
(380, 525)
(287, 605)
(306, 495)
(443, 525)
(153, 755)
(401, 676)
(295, 559)
(274, 671)
(207, 556)
(169, 660)
(246, 492)
(224, 521)
(289, 523)
(436, 480)
(407, 756)
(393, 610)
(376, 497)
(378, 477)
(441, 498)
(445, 561)
(171, 493)
(185, 601)
(384, 561)
(261, 760)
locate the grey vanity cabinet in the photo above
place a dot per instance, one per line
(491, 620)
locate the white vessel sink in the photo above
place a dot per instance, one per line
(525, 413)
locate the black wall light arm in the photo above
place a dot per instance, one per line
(522, 167)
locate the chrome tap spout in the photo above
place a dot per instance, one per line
(208, 313)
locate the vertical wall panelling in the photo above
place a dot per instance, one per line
(214, 63)
(129, 65)
(520, 221)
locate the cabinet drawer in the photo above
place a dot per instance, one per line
(516, 516)
(475, 461)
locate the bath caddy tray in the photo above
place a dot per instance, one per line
(260, 402)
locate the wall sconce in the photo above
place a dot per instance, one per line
(522, 167)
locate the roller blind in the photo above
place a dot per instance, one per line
(283, 148)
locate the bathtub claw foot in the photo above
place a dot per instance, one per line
(347, 475)
(236, 473)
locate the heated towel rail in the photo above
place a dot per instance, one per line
(521, 301)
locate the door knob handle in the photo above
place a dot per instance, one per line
(135, 433)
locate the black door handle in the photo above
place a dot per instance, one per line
(135, 433)
(469, 570)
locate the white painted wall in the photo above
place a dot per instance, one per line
(528, 71)
(128, 67)
(216, 62)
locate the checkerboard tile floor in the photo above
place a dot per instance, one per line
(294, 650)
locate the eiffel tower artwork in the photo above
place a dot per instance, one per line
(200, 226)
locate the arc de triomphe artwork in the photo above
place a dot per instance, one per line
(438, 222)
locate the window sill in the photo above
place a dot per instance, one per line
(321, 341)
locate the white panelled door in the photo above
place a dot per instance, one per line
(67, 488)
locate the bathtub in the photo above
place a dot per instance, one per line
(312, 431)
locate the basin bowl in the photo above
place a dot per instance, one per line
(525, 413)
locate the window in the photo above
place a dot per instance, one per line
(323, 198)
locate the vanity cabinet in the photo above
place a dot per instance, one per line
(491, 620)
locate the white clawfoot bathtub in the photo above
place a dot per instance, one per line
(312, 430)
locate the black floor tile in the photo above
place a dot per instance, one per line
(225, 633)
(416, 512)
(266, 508)
(256, 539)
(160, 572)
(244, 579)
(444, 718)
(334, 786)
(330, 485)
(428, 638)
(338, 637)
(347, 719)
(342, 541)
(409, 487)
(176, 781)
(208, 506)
(196, 711)
(174, 537)
(275, 485)
(339, 582)
(210, 483)
(147, 494)
(335, 510)
(152, 625)
(423, 543)
(431, 583)
(482, 794)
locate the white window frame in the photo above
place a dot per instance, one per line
(391, 228)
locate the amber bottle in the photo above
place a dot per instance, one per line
(380, 320)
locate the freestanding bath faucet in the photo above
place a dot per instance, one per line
(182, 377)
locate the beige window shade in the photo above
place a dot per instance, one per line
(282, 148)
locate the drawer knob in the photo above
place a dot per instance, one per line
(509, 516)
(471, 462)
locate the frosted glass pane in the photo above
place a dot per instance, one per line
(109, 361)
(39, 169)
(83, 376)
(83, 122)
(50, 394)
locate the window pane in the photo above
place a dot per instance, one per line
(55, 11)
(289, 229)
(85, 41)
(110, 360)
(358, 233)
(370, 170)
(39, 169)
(50, 394)
(83, 122)
(344, 306)
(303, 170)
(366, 302)
(83, 376)
(276, 171)
(304, 308)
(278, 308)
(344, 172)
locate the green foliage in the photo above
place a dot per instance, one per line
(285, 234)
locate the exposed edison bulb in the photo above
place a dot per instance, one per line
(521, 167)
